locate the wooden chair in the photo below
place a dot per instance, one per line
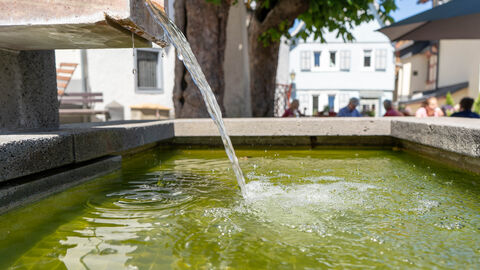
(76, 104)
(64, 76)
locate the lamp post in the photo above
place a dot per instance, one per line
(293, 90)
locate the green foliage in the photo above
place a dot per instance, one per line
(338, 16)
(322, 16)
(216, 2)
(476, 105)
(449, 99)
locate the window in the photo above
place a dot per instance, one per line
(305, 60)
(316, 58)
(333, 58)
(367, 58)
(314, 105)
(149, 75)
(331, 103)
(345, 60)
(381, 59)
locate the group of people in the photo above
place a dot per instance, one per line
(429, 108)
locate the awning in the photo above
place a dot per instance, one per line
(439, 92)
(458, 19)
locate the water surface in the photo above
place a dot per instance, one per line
(305, 209)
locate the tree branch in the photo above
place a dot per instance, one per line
(284, 10)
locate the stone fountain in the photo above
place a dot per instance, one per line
(30, 31)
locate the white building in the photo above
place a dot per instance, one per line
(329, 74)
(109, 71)
(124, 78)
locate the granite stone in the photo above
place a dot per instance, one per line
(28, 87)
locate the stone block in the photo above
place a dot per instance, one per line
(25, 154)
(31, 189)
(28, 86)
(457, 135)
(97, 140)
(286, 127)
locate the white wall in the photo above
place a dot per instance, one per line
(460, 62)
(408, 82)
(419, 64)
(110, 72)
(283, 72)
(237, 99)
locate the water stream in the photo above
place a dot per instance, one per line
(186, 55)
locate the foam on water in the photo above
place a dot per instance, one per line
(297, 206)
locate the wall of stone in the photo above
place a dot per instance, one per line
(28, 90)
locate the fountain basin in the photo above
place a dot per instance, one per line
(180, 208)
(77, 24)
(321, 193)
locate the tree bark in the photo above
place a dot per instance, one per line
(204, 24)
(264, 59)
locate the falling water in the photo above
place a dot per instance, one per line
(186, 55)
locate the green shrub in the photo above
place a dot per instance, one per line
(476, 105)
(449, 99)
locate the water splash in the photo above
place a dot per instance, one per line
(186, 55)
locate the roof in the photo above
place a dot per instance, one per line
(457, 19)
(415, 48)
(438, 92)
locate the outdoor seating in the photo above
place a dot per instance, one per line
(81, 104)
(76, 104)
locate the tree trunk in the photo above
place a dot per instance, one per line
(264, 59)
(263, 72)
(204, 24)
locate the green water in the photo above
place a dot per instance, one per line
(306, 209)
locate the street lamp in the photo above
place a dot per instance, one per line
(293, 90)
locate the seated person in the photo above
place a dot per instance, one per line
(350, 110)
(429, 109)
(466, 109)
(293, 111)
(390, 110)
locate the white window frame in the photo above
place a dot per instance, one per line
(159, 89)
(372, 60)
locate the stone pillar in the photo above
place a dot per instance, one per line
(237, 101)
(28, 91)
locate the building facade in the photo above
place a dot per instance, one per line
(434, 68)
(127, 78)
(125, 92)
(329, 74)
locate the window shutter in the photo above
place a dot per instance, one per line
(345, 60)
(381, 59)
(305, 60)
